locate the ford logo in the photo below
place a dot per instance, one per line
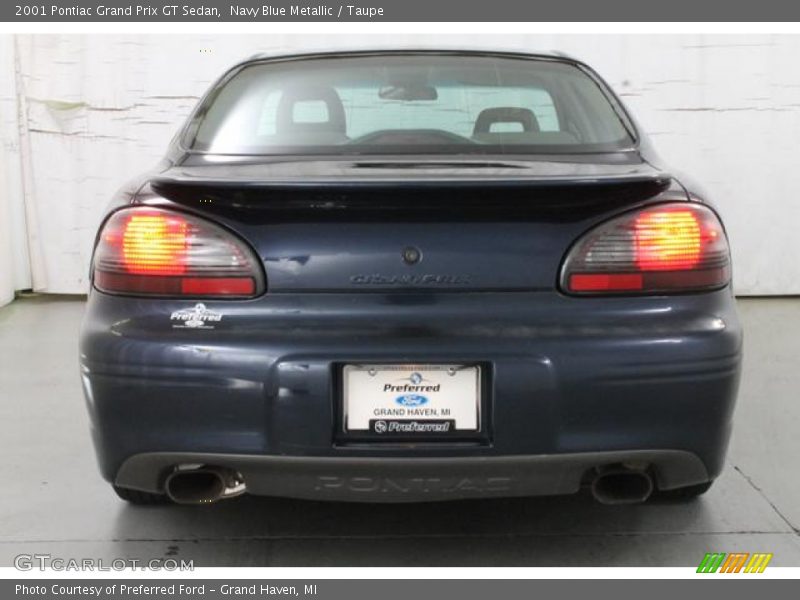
(411, 400)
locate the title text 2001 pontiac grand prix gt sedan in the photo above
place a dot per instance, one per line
(407, 276)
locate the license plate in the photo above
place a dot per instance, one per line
(411, 399)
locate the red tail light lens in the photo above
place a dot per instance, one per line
(151, 251)
(664, 248)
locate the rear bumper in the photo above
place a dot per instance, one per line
(414, 479)
(571, 380)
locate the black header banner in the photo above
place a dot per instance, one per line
(398, 11)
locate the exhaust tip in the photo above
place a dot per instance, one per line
(200, 486)
(622, 487)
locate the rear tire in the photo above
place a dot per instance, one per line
(139, 497)
(684, 494)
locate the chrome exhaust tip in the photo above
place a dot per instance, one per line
(191, 484)
(622, 486)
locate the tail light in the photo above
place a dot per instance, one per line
(150, 251)
(664, 248)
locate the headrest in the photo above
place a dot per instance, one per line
(505, 114)
(285, 115)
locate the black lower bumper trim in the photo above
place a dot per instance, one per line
(364, 479)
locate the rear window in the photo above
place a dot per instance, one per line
(409, 103)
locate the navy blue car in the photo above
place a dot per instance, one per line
(390, 276)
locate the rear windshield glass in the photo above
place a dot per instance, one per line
(409, 103)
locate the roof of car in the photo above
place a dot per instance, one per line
(283, 55)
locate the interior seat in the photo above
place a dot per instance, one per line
(330, 131)
(505, 114)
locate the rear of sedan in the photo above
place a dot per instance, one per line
(410, 276)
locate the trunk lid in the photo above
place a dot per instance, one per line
(356, 225)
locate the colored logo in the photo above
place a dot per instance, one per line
(735, 562)
(411, 400)
(415, 378)
(198, 317)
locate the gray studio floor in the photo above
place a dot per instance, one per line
(53, 500)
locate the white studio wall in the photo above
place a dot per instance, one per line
(97, 109)
(14, 258)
